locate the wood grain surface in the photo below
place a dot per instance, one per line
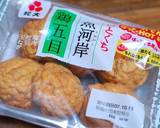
(144, 12)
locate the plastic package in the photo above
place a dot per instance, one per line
(40, 85)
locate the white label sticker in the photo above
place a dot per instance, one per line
(78, 39)
(123, 110)
(34, 9)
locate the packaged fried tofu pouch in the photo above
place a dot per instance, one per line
(64, 67)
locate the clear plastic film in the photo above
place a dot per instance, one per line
(66, 67)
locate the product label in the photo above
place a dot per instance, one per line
(123, 110)
(59, 31)
(140, 44)
(34, 9)
(78, 39)
(84, 41)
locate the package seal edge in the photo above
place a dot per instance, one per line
(4, 8)
(4, 5)
(155, 107)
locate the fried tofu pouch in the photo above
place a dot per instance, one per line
(16, 77)
(124, 72)
(29, 38)
(57, 91)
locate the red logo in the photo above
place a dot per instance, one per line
(36, 6)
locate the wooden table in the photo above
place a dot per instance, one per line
(144, 12)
